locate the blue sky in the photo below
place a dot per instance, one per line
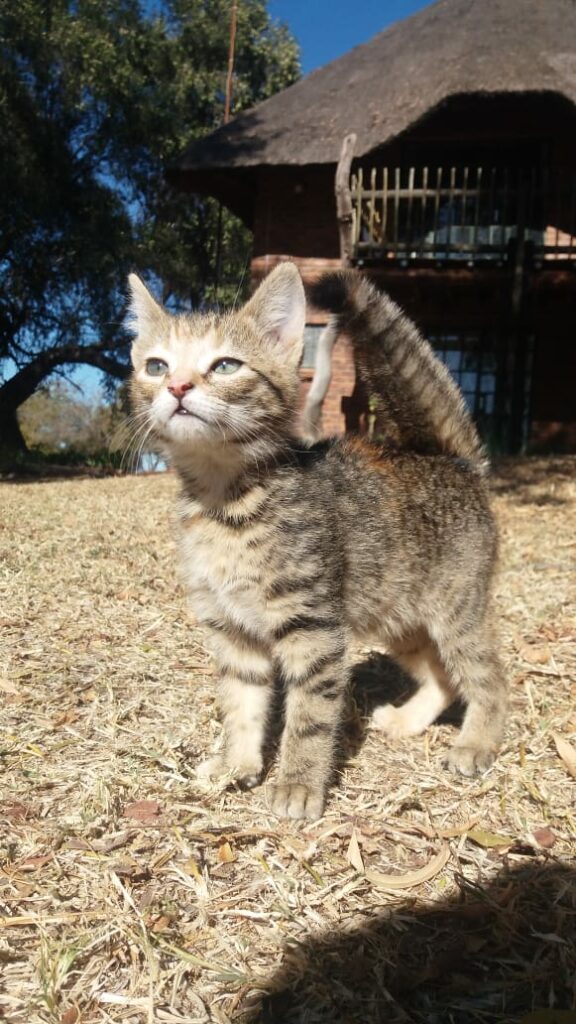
(325, 29)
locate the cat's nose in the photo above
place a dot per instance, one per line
(178, 388)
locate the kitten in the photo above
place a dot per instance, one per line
(290, 550)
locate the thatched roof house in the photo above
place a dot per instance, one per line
(385, 87)
(463, 200)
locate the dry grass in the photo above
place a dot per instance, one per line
(197, 905)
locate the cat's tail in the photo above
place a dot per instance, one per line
(420, 408)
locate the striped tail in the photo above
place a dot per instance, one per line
(420, 407)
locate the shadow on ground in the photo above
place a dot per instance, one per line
(493, 955)
(375, 681)
(527, 479)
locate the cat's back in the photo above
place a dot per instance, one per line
(415, 530)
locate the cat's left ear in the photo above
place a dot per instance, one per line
(278, 310)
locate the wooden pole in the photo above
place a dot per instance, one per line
(227, 106)
(231, 49)
(344, 199)
(312, 415)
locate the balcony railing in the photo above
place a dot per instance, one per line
(469, 214)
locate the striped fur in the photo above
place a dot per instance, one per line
(419, 404)
(288, 551)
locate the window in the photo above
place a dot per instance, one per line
(471, 358)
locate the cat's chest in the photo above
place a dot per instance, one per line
(225, 566)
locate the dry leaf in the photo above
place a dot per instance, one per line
(411, 878)
(34, 863)
(77, 843)
(353, 855)
(535, 654)
(567, 752)
(225, 854)
(16, 811)
(161, 923)
(70, 1016)
(489, 840)
(66, 718)
(143, 810)
(544, 837)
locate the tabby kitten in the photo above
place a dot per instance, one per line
(290, 550)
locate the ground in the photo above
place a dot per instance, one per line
(128, 892)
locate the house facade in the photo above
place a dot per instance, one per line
(463, 194)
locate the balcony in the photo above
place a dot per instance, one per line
(464, 215)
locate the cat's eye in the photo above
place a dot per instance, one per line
(227, 366)
(156, 367)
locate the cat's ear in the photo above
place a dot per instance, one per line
(146, 317)
(278, 310)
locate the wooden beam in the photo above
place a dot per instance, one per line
(344, 213)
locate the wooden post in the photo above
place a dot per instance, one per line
(227, 106)
(344, 199)
(312, 415)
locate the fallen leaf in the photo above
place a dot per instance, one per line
(111, 842)
(353, 855)
(16, 811)
(146, 811)
(225, 854)
(161, 923)
(544, 837)
(457, 830)
(66, 718)
(70, 1016)
(489, 840)
(34, 863)
(295, 846)
(78, 844)
(567, 752)
(411, 878)
(535, 654)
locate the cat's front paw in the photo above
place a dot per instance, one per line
(296, 800)
(211, 769)
(469, 760)
(215, 769)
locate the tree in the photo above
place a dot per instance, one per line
(97, 97)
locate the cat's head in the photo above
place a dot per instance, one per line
(215, 379)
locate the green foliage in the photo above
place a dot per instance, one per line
(97, 97)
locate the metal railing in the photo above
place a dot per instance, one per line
(463, 213)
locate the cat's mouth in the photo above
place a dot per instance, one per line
(180, 410)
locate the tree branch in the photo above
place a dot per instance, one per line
(23, 384)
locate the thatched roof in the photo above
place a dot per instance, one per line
(380, 88)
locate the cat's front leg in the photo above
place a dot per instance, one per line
(246, 687)
(311, 653)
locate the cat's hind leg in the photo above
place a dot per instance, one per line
(433, 696)
(476, 673)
